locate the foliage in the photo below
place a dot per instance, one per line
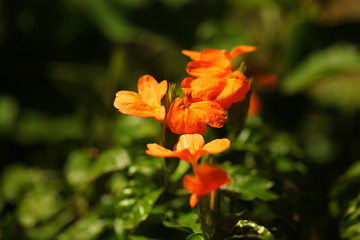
(74, 168)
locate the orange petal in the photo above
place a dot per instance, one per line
(192, 54)
(192, 142)
(151, 91)
(212, 177)
(210, 112)
(220, 58)
(131, 103)
(217, 145)
(159, 151)
(183, 120)
(234, 91)
(238, 50)
(193, 200)
(205, 89)
(255, 105)
(205, 70)
(192, 183)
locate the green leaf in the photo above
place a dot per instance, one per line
(76, 168)
(38, 205)
(195, 236)
(245, 229)
(138, 209)
(14, 181)
(87, 228)
(350, 224)
(332, 61)
(134, 237)
(188, 222)
(249, 184)
(50, 228)
(114, 159)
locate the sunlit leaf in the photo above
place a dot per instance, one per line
(87, 228)
(139, 210)
(325, 63)
(249, 184)
(188, 222)
(245, 229)
(350, 225)
(195, 236)
(114, 159)
(49, 200)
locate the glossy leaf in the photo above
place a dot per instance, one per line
(245, 229)
(86, 228)
(135, 210)
(188, 222)
(111, 160)
(249, 184)
(195, 236)
(350, 225)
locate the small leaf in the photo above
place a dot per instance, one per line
(249, 184)
(135, 210)
(114, 159)
(245, 229)
(195, 236)
(87, 228)
(188, 222)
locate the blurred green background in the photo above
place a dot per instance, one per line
(63, 61)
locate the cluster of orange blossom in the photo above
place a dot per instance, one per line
(212, 88)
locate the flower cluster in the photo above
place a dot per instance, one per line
(210, 91)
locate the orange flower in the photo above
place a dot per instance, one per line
(215, 80)
(188, 115)
(146, 103)
(255, 105)
(207, 178)
(190, 147)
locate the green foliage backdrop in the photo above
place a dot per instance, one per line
(74, 168)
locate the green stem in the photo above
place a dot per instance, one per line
(209, 215)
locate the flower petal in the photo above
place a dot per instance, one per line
(159, 151)
(151, 91)
(205, 70)
(192, 142)
(210, 112)
(238, 50)
(195, 56)
(220, 58)
(217, 145)
(234, 91)
(211, 177)
(131, 103)
(206, 89)
(182, 119)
